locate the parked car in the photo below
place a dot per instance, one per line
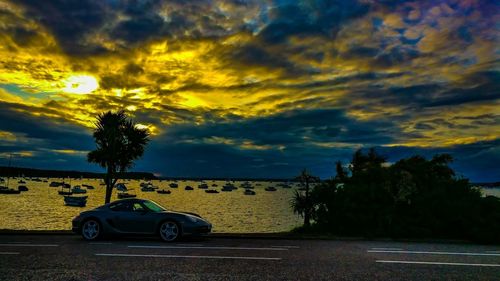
(139, 216)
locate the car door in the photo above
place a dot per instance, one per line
(121, 213)
(132, 217)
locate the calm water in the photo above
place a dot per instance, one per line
(43, 208)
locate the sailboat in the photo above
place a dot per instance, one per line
(65, 192)
(123, 191)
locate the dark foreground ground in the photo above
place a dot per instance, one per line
(67, 257)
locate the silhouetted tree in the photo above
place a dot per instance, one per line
(413, 197)
(301, 202)
(119, 142)
(341, 172)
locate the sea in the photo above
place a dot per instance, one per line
(42, 208)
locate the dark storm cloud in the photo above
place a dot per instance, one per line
(290, 128)
(53, 134)
(477, 87)
(484, 88)
(217, 160)
(74, 22)
(322, 18)
(258, 56)
(70, 21)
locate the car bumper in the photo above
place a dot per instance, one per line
(198, 230)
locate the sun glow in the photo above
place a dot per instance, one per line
(80, 84)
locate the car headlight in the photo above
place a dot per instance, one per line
(193, 219)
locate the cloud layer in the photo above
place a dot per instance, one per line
(254, 88)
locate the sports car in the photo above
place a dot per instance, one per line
(139, 216)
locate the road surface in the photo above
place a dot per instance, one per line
(67, 257)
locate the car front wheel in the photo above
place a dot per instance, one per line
(170, 231)
(91, 230)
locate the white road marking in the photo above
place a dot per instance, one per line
(434, 253)
(29, 245)
(189, 257)
(100, 243)
(187, 245)
(493, 252)
(440, 263)
(18, 242)
(209, 248)
(287, 247)
(9, 253)
(387, 249)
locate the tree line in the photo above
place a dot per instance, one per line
(412, 198)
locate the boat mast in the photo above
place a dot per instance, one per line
(10, 161)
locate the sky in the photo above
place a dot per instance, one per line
(258, 89)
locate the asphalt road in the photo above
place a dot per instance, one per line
(67, 257)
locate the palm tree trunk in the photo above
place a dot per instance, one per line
(109, 186)
(307, 218)
(307, 211)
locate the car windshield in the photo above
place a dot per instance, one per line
(154, 207)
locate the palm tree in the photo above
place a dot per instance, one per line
(119, 142)
(302, 203)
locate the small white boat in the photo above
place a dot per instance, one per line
(148, 188)
(121, 187)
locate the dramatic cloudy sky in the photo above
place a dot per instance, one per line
(238, 88)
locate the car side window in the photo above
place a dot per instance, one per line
(121, 207)
(137, 207)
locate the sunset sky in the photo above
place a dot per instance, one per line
(253, 88)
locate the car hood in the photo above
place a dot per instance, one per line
(182, 213)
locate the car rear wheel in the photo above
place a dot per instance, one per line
(169, 231)
(91, 230)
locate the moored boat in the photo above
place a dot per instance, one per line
(65, 189)
(55, 184)
(270, 188)
(78, 190)
(211, 191)
(22, 188)
(173, 185)
(249, 192)
(122, 195)
(188, 188)
(163, 191)
(4, 190)
(148, 188)
(76, 201)
(247, 185)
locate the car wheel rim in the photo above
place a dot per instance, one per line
(90, 230)
(169, 231)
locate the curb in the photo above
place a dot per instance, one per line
(270, 236)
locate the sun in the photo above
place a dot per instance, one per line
(80, 84)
